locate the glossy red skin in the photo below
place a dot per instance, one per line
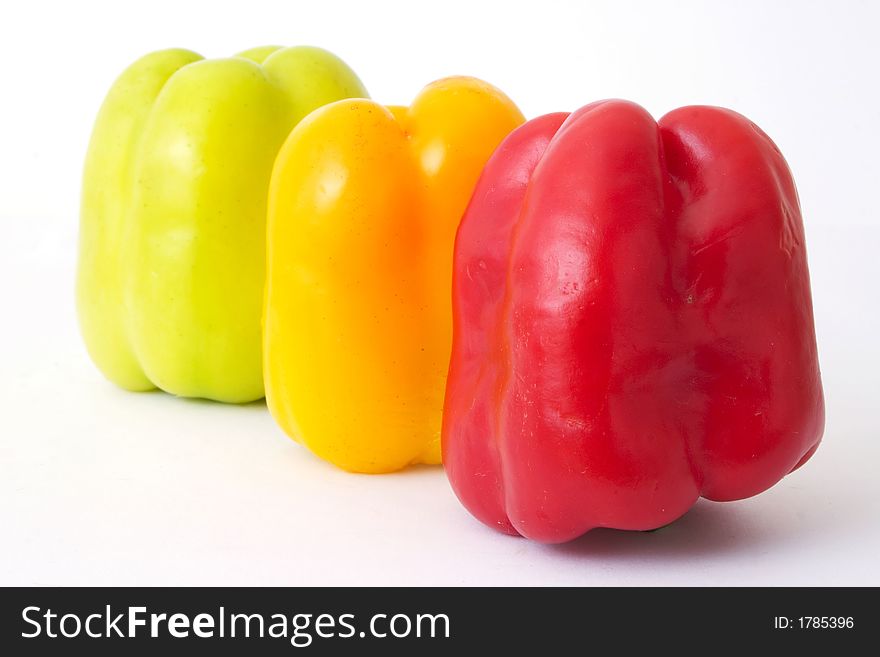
(633, 327)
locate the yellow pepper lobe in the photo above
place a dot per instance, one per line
(363, 207)
(172, 241)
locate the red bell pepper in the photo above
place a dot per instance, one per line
(633, 327)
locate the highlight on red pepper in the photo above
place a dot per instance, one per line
(633, 324)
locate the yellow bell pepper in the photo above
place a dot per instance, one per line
(364, 203)
(172, 240)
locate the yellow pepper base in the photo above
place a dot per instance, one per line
(364, 205)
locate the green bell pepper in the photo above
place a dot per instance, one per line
(172, 236)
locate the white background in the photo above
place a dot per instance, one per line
(99, 486)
